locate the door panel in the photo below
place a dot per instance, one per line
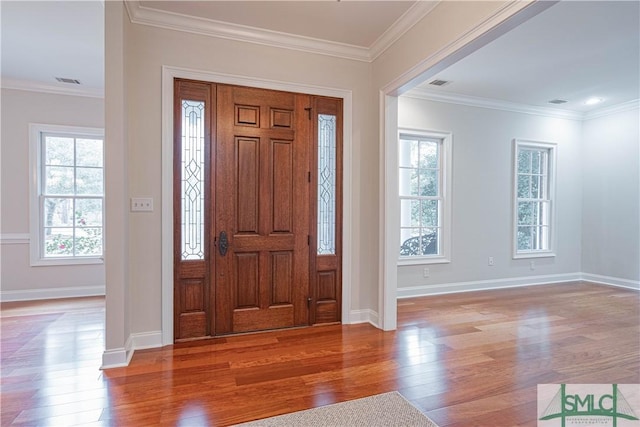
(247, 281)
(193, 319)
(325, 304)
(282, 186)
(248, 171)
(281, 278)
(263, 282)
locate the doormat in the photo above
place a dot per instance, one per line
(387, 409)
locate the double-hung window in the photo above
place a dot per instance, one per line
(534, 174)
(67, 195)
(424, 160)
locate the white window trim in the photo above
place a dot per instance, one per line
(552, 147)
(35, 165)
(446, 179)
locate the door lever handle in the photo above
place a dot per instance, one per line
(223, 243)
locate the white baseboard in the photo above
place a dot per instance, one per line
(612, 281)
(374, 319)
(116, 358)
(52, 293)
(364, 316)
(482, 285)
(142, 340)
(120, 357)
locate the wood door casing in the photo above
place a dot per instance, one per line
(260, 187)
(262, 197)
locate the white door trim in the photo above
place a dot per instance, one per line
(169, 73)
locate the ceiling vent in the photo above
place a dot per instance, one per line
(438, 82)
(65, 80)
(558, 101)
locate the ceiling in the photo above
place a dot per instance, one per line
(42, 40)
(575, 50)
(572, 51)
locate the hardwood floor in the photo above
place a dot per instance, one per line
(471, 359)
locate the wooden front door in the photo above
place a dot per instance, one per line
(262, 206)
(245, 211)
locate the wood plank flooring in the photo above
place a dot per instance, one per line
(471, 359)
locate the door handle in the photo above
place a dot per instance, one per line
(223, 244)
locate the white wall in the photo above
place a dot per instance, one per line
(18, 279)
(482, 191)
(611, 202)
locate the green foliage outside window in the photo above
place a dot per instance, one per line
(87, 242)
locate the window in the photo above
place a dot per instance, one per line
(326, 184)
(192, 181)
(424, 177)
(67, 195)
(534, 164)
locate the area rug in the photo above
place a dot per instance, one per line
(387, 409)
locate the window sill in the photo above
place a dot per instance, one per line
(48, 262)
(423, 260)
(525, 255)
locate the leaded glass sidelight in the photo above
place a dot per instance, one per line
(326, 184)
(192, 180)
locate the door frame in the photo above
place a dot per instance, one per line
(169, 73)
(505, 18)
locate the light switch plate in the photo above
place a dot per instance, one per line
(141, 204)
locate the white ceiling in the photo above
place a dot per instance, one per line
(573, 50)
(42, 40)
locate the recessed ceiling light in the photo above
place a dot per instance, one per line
(593, 101)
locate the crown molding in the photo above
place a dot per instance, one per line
(411, 17)
(473, 101)
(139, 14)
(614, 109)
(33, 86)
